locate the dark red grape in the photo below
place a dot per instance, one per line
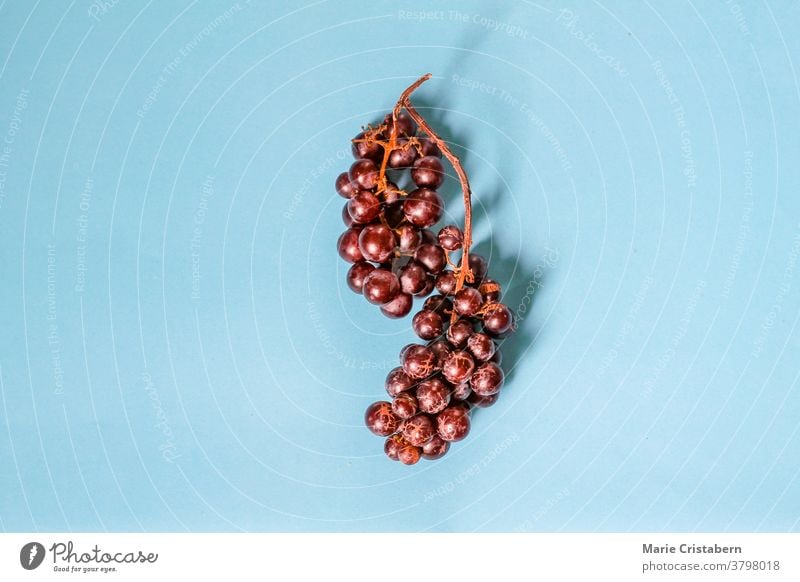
(380, 419)
(427, 324)
(461, 391)
(377, 243)
(346, 218)
(372, 151)
(458, 366)
(429, 148)
(409, 238)
(490, 290)
(356, 275)
(392, 193)
(418, 430)
(423, 207)
(428, 172)
(436, 448)
(397, 382)
(459, 332)
(478, 266)
(450, 238)
(442, 349)
(487, 379)
(467, 301)
(408, 454)
(481, 346)
(405, 125)
(433, 395)
(364, 173)
(426, 290)
(413, 278)
(498, 319)
(439, 304)
(398, 307)
(431, 257)
(348, 246)
(381, 286)
(452, 423)
(405, 405)
(344, 186)
(446, 282)
(364, 207)
(418, 361)
(402, 156)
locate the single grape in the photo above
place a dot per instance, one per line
(405, 125)
(487, 379)
(467, 301)
(402, 156)
(427, 324)
(409, 238)
(481, 346)
(442, 349)
(428, 172)
(498, 319)
(418, 430)
(344, 186)
(381, 286)
(405, 405)
(459, 332)
(446, 282)
(478, 266)
(450, 238)
(364, 173)
(412, 278)
(423, 207)
(377, 243)
(356, 275)
(371, 151)
(452, 423)
(418, 362)
(348, 246)
(431, 257)
(397, 382)
(398, 307)
(380, 419)
(364, 207)
(490, 290)
(436, 448)
(429, 148)
(433, 395)
(408, 454)
(426, 290)
(458, 366)
(461, 391)
(346, 218)
(439, 304)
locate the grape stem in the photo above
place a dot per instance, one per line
(464, 272)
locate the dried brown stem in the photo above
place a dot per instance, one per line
(464, 273)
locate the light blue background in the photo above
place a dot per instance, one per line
(636, 165)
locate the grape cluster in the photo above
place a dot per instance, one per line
(395, 257)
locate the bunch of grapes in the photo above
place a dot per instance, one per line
(396, 257)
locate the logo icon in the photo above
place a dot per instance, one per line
(31, 555)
